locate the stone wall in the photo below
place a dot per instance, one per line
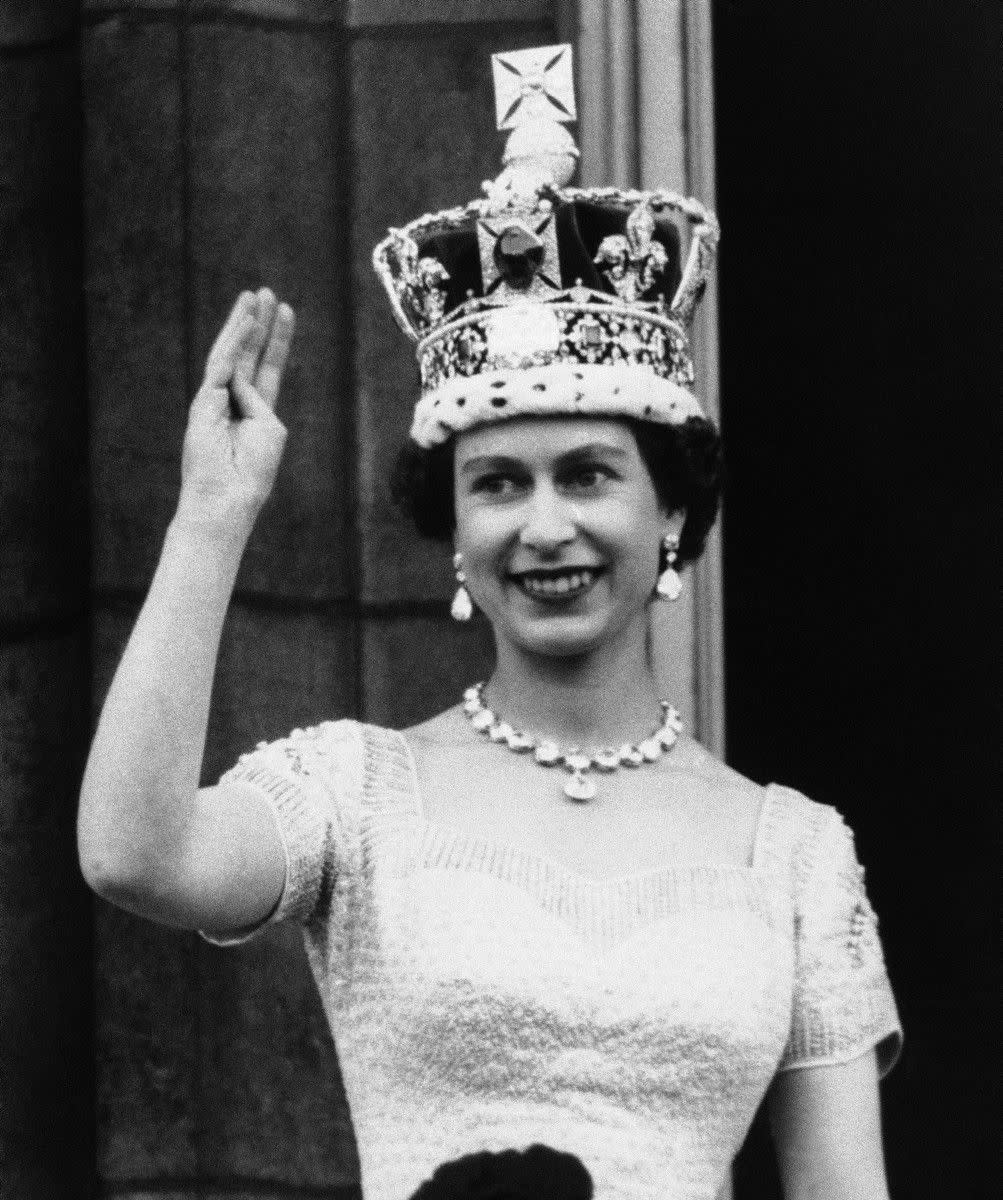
(230, 145)
(159, 156)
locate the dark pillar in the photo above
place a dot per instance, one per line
(46, 1107)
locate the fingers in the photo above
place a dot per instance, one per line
(211, 405)
(222, 358)
(248, 358)
(273, 361)
(247, 400)
(249, 350)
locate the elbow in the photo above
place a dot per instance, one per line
(103, 871)
(113, 862)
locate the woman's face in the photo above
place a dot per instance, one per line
(559, 526)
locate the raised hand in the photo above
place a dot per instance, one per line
(234, 441)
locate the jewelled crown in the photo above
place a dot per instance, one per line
(540, 298)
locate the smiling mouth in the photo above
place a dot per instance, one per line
(556, 584)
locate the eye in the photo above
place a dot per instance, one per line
(589, 476)
(495, 483)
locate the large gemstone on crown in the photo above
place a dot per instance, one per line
(518, 254)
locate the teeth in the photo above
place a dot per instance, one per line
(557, 585)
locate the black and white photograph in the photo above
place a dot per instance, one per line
(499, 619)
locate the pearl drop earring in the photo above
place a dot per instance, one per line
(669, 584)
(462, 607)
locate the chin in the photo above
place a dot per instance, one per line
(558, 636)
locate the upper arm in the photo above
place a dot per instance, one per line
(262, 845)
(230, 874)
(826, 1124)
(236, 868)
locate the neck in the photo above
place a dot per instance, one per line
(604, 698)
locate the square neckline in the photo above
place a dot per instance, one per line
(443, 834)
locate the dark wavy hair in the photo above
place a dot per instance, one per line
(685, 463)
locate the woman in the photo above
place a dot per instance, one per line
(544, 915)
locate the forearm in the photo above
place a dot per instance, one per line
(143, 771)
(826, 1124)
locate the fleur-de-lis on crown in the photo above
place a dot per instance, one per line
(633, 261)
(418, 283)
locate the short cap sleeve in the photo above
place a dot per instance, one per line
(843, 1001)
(303, 778)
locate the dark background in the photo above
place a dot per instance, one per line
(858, 169)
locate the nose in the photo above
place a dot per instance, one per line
(549, 523)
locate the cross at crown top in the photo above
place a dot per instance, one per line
(533, 84)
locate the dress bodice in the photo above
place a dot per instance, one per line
(484, 997)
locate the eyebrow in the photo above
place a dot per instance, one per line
(502, 461)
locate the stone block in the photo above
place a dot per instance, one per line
(29, 22)
(273, 1108)
(45, 952)
(269, 206)
(124, 7)
(445, 12)
(146, 1009)
(415, 667)
(135, 293)
(42, 419)
(146, 1043)
(306, 12)
(277, 672)
(418, 148)
(145, 1001)
(204, 1191)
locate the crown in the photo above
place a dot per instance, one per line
(539, 298)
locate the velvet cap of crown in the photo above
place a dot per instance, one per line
(545, 299)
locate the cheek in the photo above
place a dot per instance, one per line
(481, 533)
(627, 532)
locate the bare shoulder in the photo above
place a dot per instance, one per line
(445, 730)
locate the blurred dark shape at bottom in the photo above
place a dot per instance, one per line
(537, 1173)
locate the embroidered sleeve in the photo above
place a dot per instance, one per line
(843, 1002)
(303, 779)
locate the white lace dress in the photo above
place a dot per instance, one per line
(482, 997)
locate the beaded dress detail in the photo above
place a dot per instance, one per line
(485, 997)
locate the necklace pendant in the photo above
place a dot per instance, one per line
(580, 788)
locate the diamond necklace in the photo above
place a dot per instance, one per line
(548, 753)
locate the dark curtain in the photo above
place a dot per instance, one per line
(858, 193)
